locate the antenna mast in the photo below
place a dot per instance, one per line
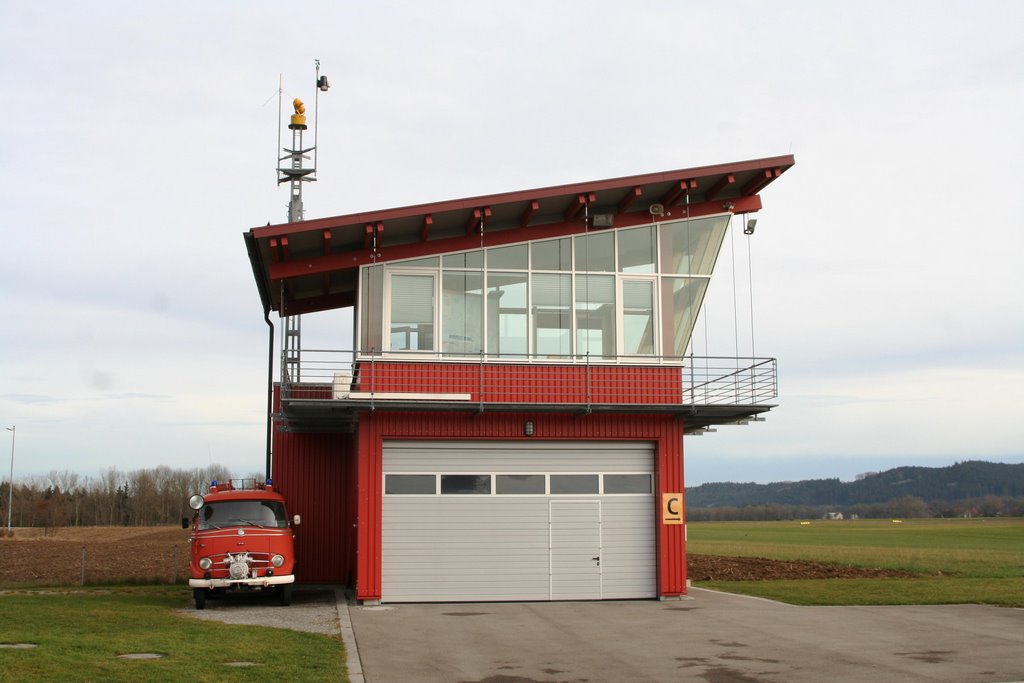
(295, 174)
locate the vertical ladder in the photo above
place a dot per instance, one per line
(296, 175)
(291, 349)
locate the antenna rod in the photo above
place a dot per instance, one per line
(316, 111)
(280, 94)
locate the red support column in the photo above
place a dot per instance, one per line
(671, 537)
(368, 539)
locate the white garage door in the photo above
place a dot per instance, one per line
(465, 521)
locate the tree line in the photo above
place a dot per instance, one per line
(143, 497)
(158, 496)
(903, 507)
(966, 480)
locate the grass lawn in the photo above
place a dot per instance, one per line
(960, 560)
(79, 635)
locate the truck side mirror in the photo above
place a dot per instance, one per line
(184, 522)
(296, 520)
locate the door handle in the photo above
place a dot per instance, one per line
(597, 559)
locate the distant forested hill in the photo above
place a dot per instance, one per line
(971, 479)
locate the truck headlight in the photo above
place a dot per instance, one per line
(277, 560)
(205, 563)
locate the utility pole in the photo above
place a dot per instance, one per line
(10, 482)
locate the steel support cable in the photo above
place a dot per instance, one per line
(689, 296)
(483, 289)
(484, 313)
(371, 272)
(750, 280)
(735, 304)
(586, 297)
(735, 308)
(586, 286)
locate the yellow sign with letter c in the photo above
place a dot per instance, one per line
(672, 508)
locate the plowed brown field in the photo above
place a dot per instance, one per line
(51, 557)
(717, 568)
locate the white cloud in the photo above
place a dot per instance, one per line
(137, 146)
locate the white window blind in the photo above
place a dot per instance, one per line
(637, 295)
(551, 289)
(412, 299)
(595, 289)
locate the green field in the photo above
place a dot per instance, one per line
(959, 560)
(79, 634)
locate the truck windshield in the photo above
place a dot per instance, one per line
(261, 513)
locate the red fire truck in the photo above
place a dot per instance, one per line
(242, 540)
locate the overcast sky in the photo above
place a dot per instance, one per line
(139, 143)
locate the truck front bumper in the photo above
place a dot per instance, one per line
(259, 582)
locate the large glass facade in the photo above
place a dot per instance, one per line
(633, 292)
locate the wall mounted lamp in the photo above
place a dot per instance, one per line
(748, 229)
(528, 428)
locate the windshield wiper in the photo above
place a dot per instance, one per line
(249, 521)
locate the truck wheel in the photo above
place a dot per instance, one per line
(285, 596)
(200, 597)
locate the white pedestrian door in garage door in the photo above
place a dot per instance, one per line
(575, 549)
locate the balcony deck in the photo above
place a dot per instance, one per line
(326, 390)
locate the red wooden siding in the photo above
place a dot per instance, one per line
(374, 427)
(671, 538)
(316, 475)
(369, 514)
(523, 383)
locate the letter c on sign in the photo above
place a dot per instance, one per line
(672, 508)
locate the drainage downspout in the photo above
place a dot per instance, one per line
(256, 261)
(270, 389)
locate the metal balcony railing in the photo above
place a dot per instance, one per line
(338, 375)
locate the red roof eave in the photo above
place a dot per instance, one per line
(625, 182)
(309, 265)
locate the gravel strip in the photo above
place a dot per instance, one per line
(313, 609)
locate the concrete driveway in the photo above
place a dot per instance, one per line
(712, 637)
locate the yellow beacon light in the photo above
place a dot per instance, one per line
(299, 117)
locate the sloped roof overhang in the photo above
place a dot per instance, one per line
(313, 265)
